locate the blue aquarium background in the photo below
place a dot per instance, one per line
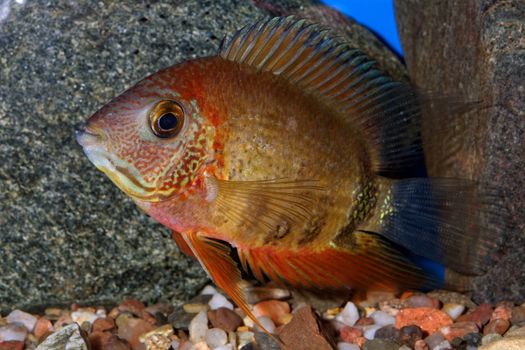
(377, 15)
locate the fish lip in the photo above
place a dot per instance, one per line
(88, 137)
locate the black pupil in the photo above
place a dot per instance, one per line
(168, 121)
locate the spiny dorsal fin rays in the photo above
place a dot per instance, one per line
(341, 76)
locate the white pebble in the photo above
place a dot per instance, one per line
(347, 346)
(349, 315)
(444, 345)
(267, 323)
(17, 316)
(200, 346)
(369, 332)
(13, 332)
(382, 318)
(209, 290)
(218, 301)
(175, 344)
(224, 347)
(216, 337)
(198, 327)
(248, 322)
(453, 310)
(83, 316)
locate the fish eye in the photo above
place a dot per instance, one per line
(166, 119)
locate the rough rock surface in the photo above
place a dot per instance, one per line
(66, 232)
(476, 48)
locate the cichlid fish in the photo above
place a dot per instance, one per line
(283, 155)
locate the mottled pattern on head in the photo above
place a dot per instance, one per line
(144, 165)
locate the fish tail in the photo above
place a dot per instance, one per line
(454, 222)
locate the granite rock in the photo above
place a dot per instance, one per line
(475, 48)
(66, 232)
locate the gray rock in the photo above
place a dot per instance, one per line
(67, 338)
(66, 233)
(476, 48)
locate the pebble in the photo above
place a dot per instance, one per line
(224, 347)
(380, 344)
(267, 323)
(382, 318)
(84, 316)
(481, 315)
(195, 308)
(434, 340)
(392, 306)
(245, 338)
(509, 342)
(420, 345)
(347, 346)
(350, 334)
(131, 330)
(409, 335)
(369, 332)
(200, 346)
(198, 327)
(428, 319)
(499, 326)
(473, 339)
(421, 300)
(389, 333)
(489, 338)
(258, 294)
(53, 313)
(12, 345)
(453, 310)
(459, 329)
(218, 301)
(17, 316)
(67, 338)
(115, 343)
(216, 337)
(304, 331)
(158, 339)
(209, 290)
(42, 327)
(13, 332)
(502, 312)
(349, 315)
(103, 324)
(225, 319)
(136, 307)
(277, 310)
(518, 315)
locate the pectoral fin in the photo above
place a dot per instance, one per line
(215, 258)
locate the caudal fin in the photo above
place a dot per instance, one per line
(454, 222)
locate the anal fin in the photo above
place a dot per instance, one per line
(364, 262)
(215, 258)
(181, 243)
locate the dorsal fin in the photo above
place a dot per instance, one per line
(387, 112)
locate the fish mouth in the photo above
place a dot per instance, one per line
(125, 177)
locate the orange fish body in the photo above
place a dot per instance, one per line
(288, 147)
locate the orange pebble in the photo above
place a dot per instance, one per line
(275, 309)
(428, 319)
(42, 326)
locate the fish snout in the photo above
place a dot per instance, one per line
(89, 137)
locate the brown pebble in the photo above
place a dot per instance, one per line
(481, 315)
(132, 329)
(459, 329)
(350, 334)
(497, 325)
(115, 343)
(132, 305)
(365, 321)
(103, 324)
(502, 312)
(42, 326)
(420, 345)
(11, 345)
(224, 319)
(97, 340)
(275, 309)
(114, 313)
(518, 315)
